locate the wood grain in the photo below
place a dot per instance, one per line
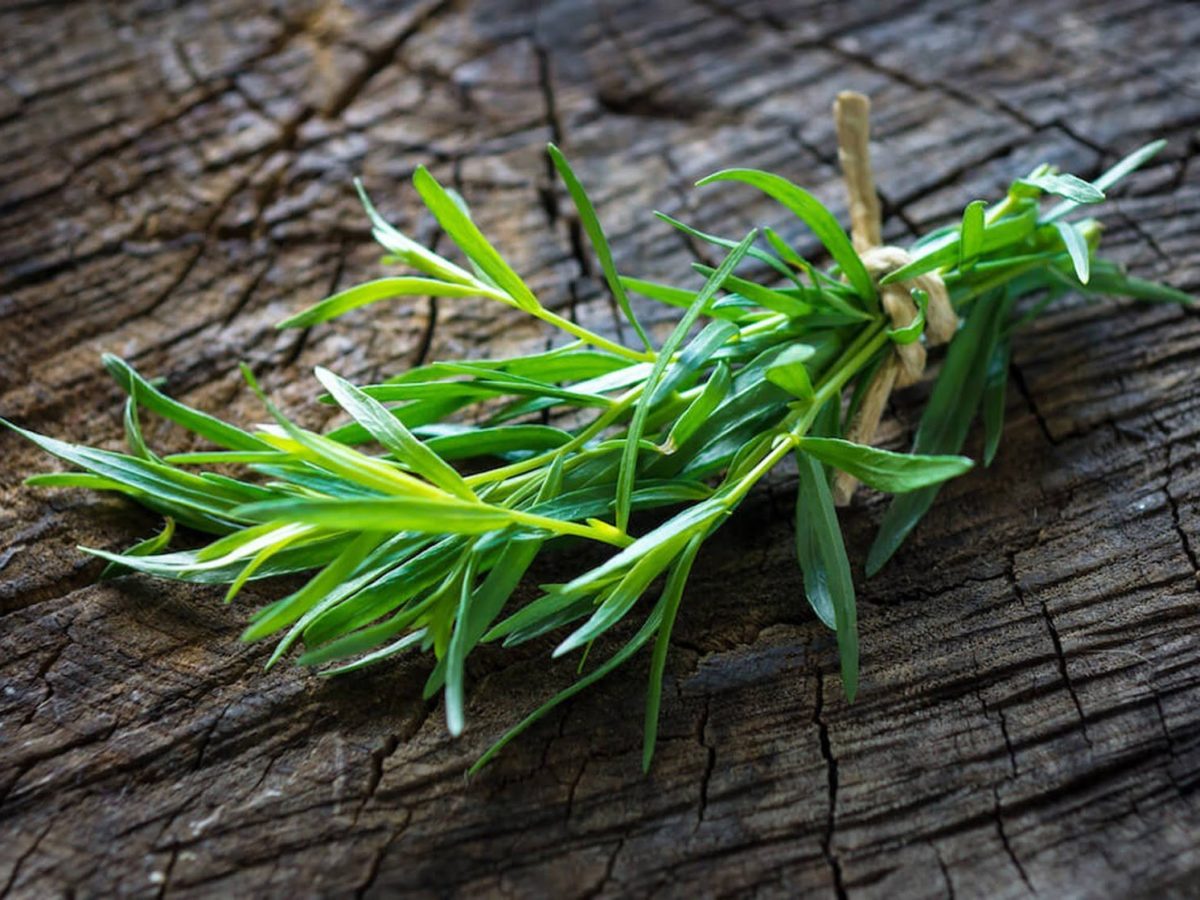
(175, 179)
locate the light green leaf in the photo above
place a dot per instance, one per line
(147, 547)
(1071, 187)
(408, 250)
(1077, 248)
(629, 458)
(1130, 163)
(419, 514)
(971, 235)
(386, 428)
(591, 225)
(458, 225)
(911, 333)
(373, 291)
(202, 424)
(788, 371)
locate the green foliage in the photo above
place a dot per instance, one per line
(403, 551)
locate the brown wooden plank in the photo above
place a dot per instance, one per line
(174, 180)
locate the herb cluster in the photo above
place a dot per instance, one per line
(410, 552)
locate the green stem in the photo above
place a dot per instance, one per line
(789, 432)
(562, 527)
(596, 340)
(610, 415)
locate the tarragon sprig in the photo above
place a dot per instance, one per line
(409, 551)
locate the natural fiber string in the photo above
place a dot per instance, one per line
(904, 366)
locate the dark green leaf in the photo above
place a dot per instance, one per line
(894, 473)
(591, 225)
(814, 214)
(669, 603)
(700, 408)
(994, 390)
(629, 459)
(946, 419)
(823, 562)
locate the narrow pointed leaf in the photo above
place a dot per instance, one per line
(629, 458)
(385, 428)
(822, 555)
(1077, 248)
(374, 291)
(814, 214)
(671, 596)
(591, 226)
(471, 241)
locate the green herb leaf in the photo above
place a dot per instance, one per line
(1077, 248)
(591, 225)
(1071, 187)
(700, 408)
(458, 225)
(373, 291)
(408, 250)
(385, 428)
(893, 473)
(789, 373)
(1004, 233)
(994, 390)
(419, 514)
(628, 468)
(822, 554)
(911, 333)
(971, 235)
(814, 214)
(148, 547)
(946, 420)
(1129, 164)
(671, 596)
(202, 424)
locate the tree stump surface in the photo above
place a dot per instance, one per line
(175, 180)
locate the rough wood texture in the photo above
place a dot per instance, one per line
(176, 179)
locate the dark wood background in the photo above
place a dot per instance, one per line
(176, 179)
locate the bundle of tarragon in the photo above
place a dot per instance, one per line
(408, 552)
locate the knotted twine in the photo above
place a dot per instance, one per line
(906, 363)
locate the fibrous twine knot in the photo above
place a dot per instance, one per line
(906, 363)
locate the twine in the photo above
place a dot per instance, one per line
(906, 364)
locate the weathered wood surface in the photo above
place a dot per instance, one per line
(176, 179)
